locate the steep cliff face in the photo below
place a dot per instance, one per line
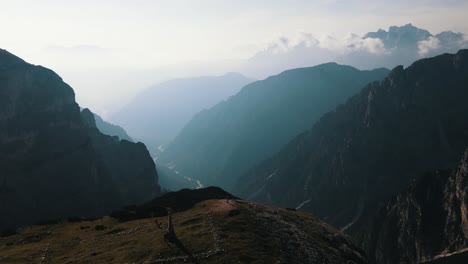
(370, 148)
(427, 220)
(53, 160)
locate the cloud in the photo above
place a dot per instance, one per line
(350, 43)
(354, 42)
(428, 45)
(284, 44)
(408, 44)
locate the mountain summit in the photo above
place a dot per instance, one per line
(400, 37)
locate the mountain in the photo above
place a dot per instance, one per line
(156, 115)
(406, 36)
(428, 220)
(54, 162)
(110, 129)
(211, 230)
(369, 149)
(221, 143)
(398, 45)
(406, 44)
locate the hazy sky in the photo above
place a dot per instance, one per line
(108, 50)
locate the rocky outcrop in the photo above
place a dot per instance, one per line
(53, 160)
(426, 221)
(372, 147)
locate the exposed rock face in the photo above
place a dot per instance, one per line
(428, 219)
(53, 160)
(372, 147)
(222, 143)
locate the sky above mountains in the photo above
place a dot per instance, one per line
(108, 50)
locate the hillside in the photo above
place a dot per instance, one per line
(221, 143)
(213, 231)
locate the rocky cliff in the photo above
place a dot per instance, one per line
(53, 160)
(426, 221)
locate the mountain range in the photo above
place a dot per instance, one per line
(398, 45)
(380, 155)
(357, 157)
(221, 143)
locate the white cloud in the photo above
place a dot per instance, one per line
(350, 43)
(428, 45)
(354, 42)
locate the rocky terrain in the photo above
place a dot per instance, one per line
(212, 231)
(54, 162)
(426, 221)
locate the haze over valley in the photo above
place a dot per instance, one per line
(234, 132)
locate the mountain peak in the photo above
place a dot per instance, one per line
(400, 36)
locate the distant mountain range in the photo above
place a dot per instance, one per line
(54, 162)
(371, 148)
(220, 144)
(156, 115)
(399, 45)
